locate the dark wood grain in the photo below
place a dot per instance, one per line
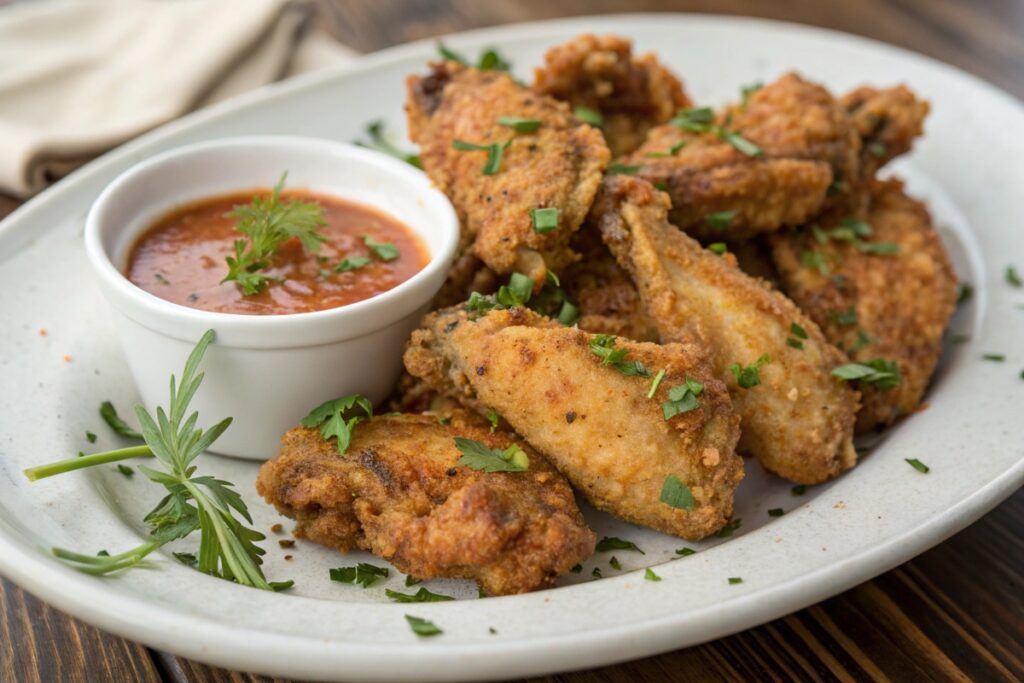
(954, 613)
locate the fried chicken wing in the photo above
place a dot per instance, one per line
(876, 305)
(400, 493)
(605, 294)
(798, 420)
(595, 423)
(632, 94)
(807, 146)
(559, 165)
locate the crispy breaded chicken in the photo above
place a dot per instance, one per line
(632, 94)
(807, 145)
(887, 121)
(876, 305)
(798, 422)
(400, 493)
(595, 423)
(559, 165)
(605, 294)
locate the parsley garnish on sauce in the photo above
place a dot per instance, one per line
(422, 627)
(477, 456)
(882, 374)
(494, 153)
(612, 543)
(676, 494)
(335, 418)
(267, 222)
(362, 574)
(749, 376)
(385, 251)
(603, 346)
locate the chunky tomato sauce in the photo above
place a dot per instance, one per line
(181, 258)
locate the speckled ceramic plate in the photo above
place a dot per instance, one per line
(836, 535)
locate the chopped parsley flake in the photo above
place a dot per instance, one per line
(603, 346)
(749, 376)
(795, 343)
(863, 339)
(363, 574)
(720, 219)
(672, 151)
(733, 580)
(576, 568)
(718, 248)
(125, 470)
(596, 572)
(422, 595)
(422, 627)
(1012, 277)
(650, 575)
(477, 456)
(589, 116)
(694, 120)
(685, 551)
(492, 417)
(614, 563)
(731, 526)
(881, 373)
(656, 382)
(612, 543)
(544, 220)
(918, 465)
(994, 357)
(519, 124)
(799, 489)
(354, 263)
(90, 437)
(676, 494)
(798, 331)
(817, 260)
(776, 512)
(490, 59)
(739, 142)
(682, 399)
(494, 153)
(843, 318)
(964, 292)
(748, 90)
(622, 169)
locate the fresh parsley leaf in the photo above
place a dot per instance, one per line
(741, 143)
(622, 169)
(918, 465)
(719, 220)
(384, 251)
(612, 543)
(682, 399)
(603, 346)
(795, 343)
(694, 120)
(109, 415)
(267, 222)
(676, 494)
(422, 595)
(656, 382)
(187, 559)
(494, 153)
(589, 116)
(1012, 277)
(334, 418)
(379, 142)
(519, 124)
(351, 263)
(478, 304)
(362, 574)
(749, 376)
(686, 551)
(477, 456)
(798, 331)
(544, 220)
(650, 575)
(882, 374)
(422, 627)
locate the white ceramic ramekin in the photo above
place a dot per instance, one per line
(266, 371)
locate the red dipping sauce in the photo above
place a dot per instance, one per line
(181, 258)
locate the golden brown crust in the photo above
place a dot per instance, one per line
(808, 146)
(594, 423)
(887, 121)
(799, 421)
(400, 494)
(559, 165)
(599, 72)
(902, 301)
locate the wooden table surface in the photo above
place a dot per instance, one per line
(954, 613)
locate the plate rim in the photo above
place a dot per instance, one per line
(23, 562)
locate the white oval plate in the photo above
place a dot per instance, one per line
(869, 520)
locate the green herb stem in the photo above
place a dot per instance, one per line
(71, 464)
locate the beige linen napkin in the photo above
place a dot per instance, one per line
(79, 77)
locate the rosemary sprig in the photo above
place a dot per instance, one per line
(227, 547)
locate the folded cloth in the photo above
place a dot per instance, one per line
(77, 78)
